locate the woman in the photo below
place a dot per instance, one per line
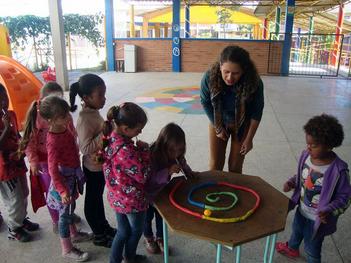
(232, 97)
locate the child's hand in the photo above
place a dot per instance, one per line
(194, 175)
(175, 168)
(288, 186)
(142, 144)
(323, 217)
(6, 121)
(34, 169)
(66, 198)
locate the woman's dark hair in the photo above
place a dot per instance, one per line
(128, 113)
(326, 130)
(53, 107)
(240, 56)
(170, 136)
(85, 86)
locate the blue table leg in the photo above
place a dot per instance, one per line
(165, 242)
(238, 254)
(219, 253)
(269, 248)
(274, 239)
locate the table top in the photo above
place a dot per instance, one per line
(269, 218)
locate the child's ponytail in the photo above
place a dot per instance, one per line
(109, 124)
(29, 127)
(73, 92)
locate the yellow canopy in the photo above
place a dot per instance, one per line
(201, 15)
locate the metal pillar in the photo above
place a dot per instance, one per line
(338, 32)
(277, 22)
(176, 36)
(289, 23)
(131, 25)
(109, 29)
(187, 21)
(58, 41)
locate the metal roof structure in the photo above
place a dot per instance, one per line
(323, 22)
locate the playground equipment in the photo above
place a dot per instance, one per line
(21, 85)
(5, 47)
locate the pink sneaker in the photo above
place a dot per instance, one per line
(284, 249)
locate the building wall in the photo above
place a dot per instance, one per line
(197, 55)
(152, 55)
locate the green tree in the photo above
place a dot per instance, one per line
(37, 29)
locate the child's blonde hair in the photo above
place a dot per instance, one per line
(29, 127)
(53, 107)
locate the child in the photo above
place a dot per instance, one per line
(167, 155)
(322, 189)
(126, 168)
(91, 89)
(13, 182)
(33, 143)
(66, 174)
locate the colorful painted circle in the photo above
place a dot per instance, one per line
(184, 100)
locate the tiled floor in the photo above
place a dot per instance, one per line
(289, 103)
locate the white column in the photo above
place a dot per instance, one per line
(58, 41)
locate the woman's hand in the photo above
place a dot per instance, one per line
(66, 198)
(246, 147)
(223, 135)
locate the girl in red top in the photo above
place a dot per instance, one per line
(33, 143)
(13, 182)
(67, 177)
(126, 168)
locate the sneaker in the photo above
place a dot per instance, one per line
(102, 241)
(81, 237)
(55, 228)
(136, 259)
(76, 218)
(110, 232)
(19, 234)
(77, 255)
(30, 226)
(151, 245)
(159, 242)
(284, 249)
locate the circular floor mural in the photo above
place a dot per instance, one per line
(179, 100)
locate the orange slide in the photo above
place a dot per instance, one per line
(21, 85)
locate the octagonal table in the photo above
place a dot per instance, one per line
(267, 221)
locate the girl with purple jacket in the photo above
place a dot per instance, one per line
(167, 154)
(321, 187)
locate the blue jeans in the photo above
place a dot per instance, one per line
(129, 231)
(303, 230)
(150, 213)
(65, 220)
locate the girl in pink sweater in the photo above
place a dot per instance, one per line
(66, 174)
(126, 168)
(33, 143)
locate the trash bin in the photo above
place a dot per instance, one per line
(130, 58)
